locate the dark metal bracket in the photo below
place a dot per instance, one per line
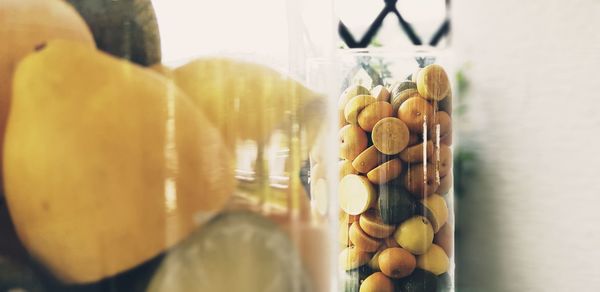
(390, 7)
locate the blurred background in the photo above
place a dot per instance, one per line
(527, 186)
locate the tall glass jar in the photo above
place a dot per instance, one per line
(393, 150)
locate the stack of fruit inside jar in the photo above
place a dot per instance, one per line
(395, 173)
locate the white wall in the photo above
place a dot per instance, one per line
(532, 220)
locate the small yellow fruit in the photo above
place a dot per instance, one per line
(436, 210)
(415, 235)
(432, 82)
(352, 258)
(355, 106)
(434, 260)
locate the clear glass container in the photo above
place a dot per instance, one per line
(391, 143)
(125, 170)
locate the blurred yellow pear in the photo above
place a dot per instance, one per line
(106, 164)
(246, 100)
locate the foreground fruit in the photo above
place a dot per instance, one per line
(236, 251)
(246, 100)
(99, 166)
(126, 29)
(25, 25)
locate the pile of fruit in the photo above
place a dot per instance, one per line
(395, 170)
(111, 159)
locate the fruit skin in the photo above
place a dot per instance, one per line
(385, 172)
(421, 182)
(355, 106)
(245, 100)
(124, 29)
(416, 113)
(348, 94)
(432, 82)
(374, 112)
(381, 93)
(398, 99)
(346, 168)
(414, 153)
(415, 235)
(353, 141)
(390, 136)
(86, 168)
(368, 159)
(434, 260)
(377, 282)
(397, 262)
(25, 25)
(446, 183)
(436, 210)
(445, 239)
(444, 121)
(442, 160)
(372, 224)
(361, 240)
(395, 203)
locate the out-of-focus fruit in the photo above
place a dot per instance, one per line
(372, 224)
(395, 203)
(377, 282)
(368, 159)
(249, 247)
(421, 181)
(390, 135)
(26, 25)
(381, 93)
(352, 258)
(106, 131)
(396, 262)
(432, 82)
(353, 141)
(418, 281)
(356, 194)
(355, 106)
(434, 260)
(247, 100)
(415, 235)
(436, 211)
(385, 172)
(362, 240)
(125, 29)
